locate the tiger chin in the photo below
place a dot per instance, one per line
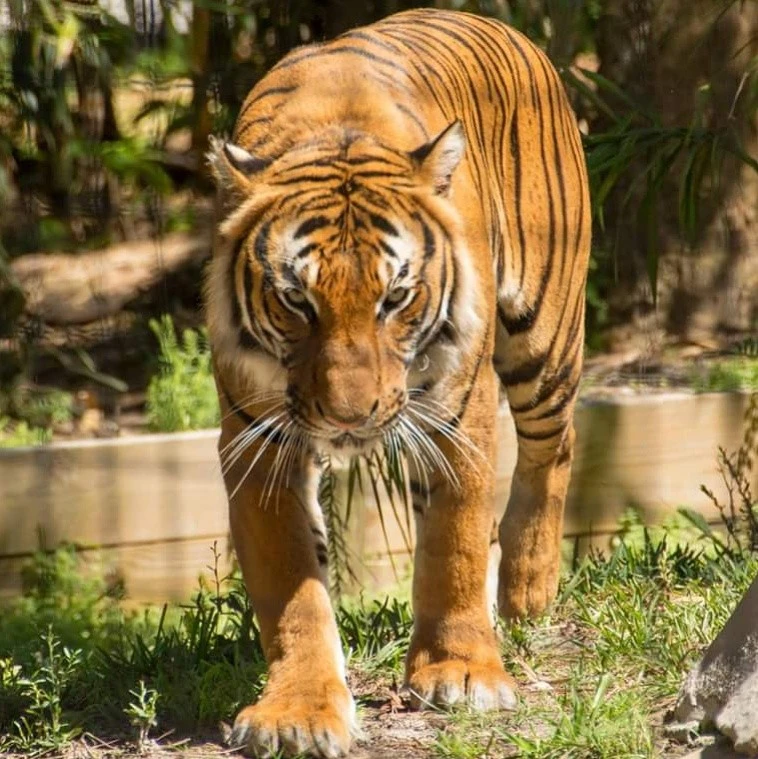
(403, 239)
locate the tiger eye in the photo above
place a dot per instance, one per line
(396, 296)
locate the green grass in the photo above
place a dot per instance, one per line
(738, 373)
(614, 652)
(27, 415)
(623, 633)
(21, 434)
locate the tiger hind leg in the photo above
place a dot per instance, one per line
(531, 530)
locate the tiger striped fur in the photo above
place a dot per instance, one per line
(404, 234)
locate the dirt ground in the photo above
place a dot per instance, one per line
(390, 730)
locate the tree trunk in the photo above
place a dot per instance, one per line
(199, 40)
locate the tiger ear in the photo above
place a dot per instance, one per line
(437, 160)
(233, 167)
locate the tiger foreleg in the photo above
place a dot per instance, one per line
(306, 707)
(454, 655)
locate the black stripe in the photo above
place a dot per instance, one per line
(387, 249)
(466, 44)
(554, 119)
(311, 225)
(247, 340)
(525, 321)
(303, 252)
(247, 280)
(393, 176)
(516, 325)
(516, 161)
(567, 397)
(429, 246)
(322, 554)
(564, 457)
(371, 39)
(288, 272)
(382, 224)
(432, 91)
(431, 332)
(239, 135)
(456, 420)
(261, 247)
(232, 284)
(545, 435)
(365, 160)
(526, 372)
(317, 52)
(262, 96)
(284, 90)
(314, 178)
(447, 332)
(320, 203)
(414, 118)
(437, 49)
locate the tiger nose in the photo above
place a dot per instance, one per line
(344, 422)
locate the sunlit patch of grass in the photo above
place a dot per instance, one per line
(376, 635)
(597, 673)
(727, 375)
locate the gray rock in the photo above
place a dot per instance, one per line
(714, 752)
(723, 689)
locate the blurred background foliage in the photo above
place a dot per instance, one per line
(106, 108)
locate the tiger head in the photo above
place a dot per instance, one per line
(338, 280)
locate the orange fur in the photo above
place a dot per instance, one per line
(405, 233)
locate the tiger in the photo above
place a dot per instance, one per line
(403, 239)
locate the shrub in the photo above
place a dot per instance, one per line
(182, 396)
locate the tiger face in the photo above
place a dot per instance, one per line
(334, 291)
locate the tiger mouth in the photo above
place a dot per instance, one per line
(347, 439)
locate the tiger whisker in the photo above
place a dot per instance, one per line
(446, 433)
(271, 477)
(290, 447)
(263, 419)
(245, 439)
(413, 460)
(441, 423)
(260, 397)
(292, 458)
(432, 449)
(255, 460)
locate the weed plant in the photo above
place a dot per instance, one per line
(182, 395)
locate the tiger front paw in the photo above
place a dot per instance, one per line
(484, 687)
(310, 722)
